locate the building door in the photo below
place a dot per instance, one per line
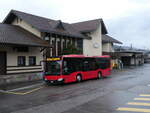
(2, 63)
(126, 60)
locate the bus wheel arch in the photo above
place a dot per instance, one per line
(78, 77)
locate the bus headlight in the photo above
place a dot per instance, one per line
(60, 79)
(45, 79)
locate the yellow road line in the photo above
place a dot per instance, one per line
(146, 99)
(145, 95)
(133, 109)
(32, 90)
(138, 103)
(21, 93)
(15, 93)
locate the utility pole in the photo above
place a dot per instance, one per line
(131, 46)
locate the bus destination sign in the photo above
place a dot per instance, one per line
(53, 59)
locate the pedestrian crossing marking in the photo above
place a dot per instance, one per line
(144, 95)
(145, 99)
(133, 109)
(138, 103)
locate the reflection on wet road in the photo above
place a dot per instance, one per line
(125, 91)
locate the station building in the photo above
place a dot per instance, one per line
(130, 56)
(27, 39)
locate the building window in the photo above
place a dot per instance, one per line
(80, 43)
(64, 44)
(53, 48)
(59, 47)
(32, 60)
(21, 60)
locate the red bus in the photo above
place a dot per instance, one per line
(75, 68)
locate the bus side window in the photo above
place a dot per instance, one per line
(78, 64)
(65, 68)
(72, 64)
(86, 66)
(100, 63)
(92, 64)
(103, 63)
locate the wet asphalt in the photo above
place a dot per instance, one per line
(110, 95)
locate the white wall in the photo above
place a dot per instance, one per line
(26, 26)
(12, 57)
(107, 47)
(132, 61)
(88, 44)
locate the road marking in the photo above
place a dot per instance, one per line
(21, 93)
(26, 87)
(146, 99)
(133, 109)
(33, 90)
(138, 103)
(8, 92)
(144, 95)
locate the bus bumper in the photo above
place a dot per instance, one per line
(59, 81)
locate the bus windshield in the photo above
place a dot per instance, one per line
(53, 68)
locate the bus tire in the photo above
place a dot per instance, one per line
(99, 75)
(78, 78)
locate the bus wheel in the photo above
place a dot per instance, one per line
(78, 78)
(99, 75)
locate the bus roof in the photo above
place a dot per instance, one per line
(73, 55)
(103, 56)
(82, 56)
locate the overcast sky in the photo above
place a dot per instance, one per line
(126, 20)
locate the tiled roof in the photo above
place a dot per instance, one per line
(11, 34)
(48, 25)
(106, 38)
(88, 26)
(127, 49)
(44, 24)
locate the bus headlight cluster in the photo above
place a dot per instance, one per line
(45, 79)
(60, 79)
